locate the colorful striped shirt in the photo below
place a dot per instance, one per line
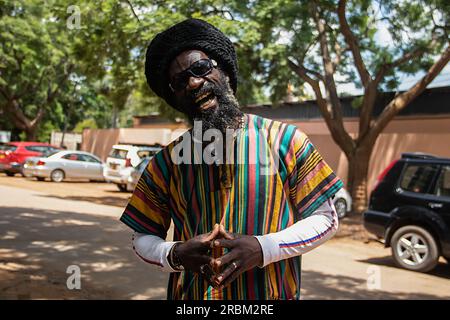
(276, 179)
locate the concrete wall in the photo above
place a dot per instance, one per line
(72, 141)
(427, 135)
(100, 141)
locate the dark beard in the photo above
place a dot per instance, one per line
(225, 116)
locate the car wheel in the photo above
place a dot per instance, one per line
(122, 187)
(57, 175)
(414, 248)
(10, 174)
(40, 179)
(341, 207)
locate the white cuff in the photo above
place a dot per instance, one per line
(153, 250)
(269, 248)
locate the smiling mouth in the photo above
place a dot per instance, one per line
(205, 101)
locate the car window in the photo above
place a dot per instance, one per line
(418, 178)
(118, 153)
(443, 183)
(87, 158)
(45, 150)
(48, 151)
(7, 147)
(34, 148)
(71, 156)
(147, 153)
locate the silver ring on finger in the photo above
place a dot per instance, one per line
(235, 266)
(202, 268)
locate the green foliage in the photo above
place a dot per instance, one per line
(85, 124)
(96, 70)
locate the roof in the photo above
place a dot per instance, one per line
(64, 152)
(433, 101)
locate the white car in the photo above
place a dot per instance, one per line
(63, 165)
(342, 202)
(121, 162)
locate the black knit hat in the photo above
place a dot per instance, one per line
(186, 35)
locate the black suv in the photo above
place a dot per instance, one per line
(410, 208)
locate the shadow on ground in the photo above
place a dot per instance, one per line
(110, 201)
(442, 270)
(317, 285)
(37, 247)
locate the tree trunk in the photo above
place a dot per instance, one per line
(358, 168)
(31, 133)
(114, 117)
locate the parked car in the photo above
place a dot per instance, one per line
(14, 154)
(342, 202)
(121, 162)
(410, 209)
(65, 165)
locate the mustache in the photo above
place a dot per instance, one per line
(207, 87)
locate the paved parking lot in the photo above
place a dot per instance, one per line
(46, 227)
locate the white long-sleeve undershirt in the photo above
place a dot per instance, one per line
(301, 237)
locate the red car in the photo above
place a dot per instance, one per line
(14, 154)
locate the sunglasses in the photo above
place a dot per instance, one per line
(198, 69)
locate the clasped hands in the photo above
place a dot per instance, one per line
(244, 253)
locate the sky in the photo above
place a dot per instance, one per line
(406, 81)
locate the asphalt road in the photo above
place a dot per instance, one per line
(42, 234)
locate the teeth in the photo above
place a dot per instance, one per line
(201, 97)
(204, 104)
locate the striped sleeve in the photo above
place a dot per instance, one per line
(148, 210)
(311, 180)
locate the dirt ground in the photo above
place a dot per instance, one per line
(95, 192)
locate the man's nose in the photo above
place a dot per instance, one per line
(195, 82)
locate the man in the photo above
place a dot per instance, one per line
(240, 225)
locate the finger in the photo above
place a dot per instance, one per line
(224, 233)
(200, 260)
(208, 274)
(213, 234)
(225, 259)
(225, 243)
(232, 277)
(227, 272)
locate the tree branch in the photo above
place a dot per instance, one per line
(222, 12)
(403, 99)
(19, 118)
(330, 85)
(407, 57)
(340, 136)
(352, 42)
(132, 10)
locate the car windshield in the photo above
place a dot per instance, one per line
(7, 147)
(118, 153)
(148, 152)
(50, 153)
